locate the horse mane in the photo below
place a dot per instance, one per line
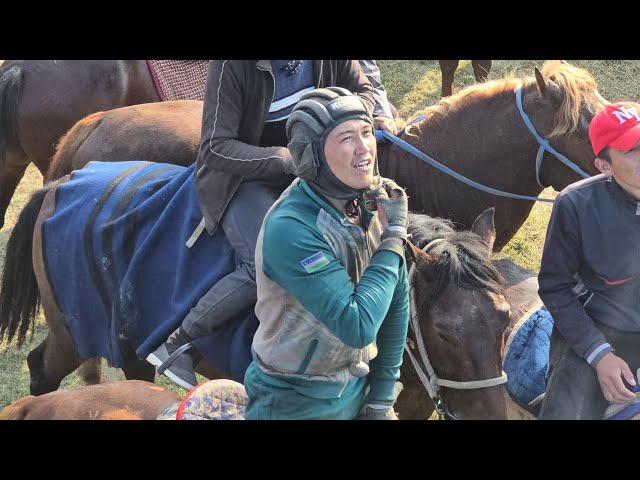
(461, 258)
(574, 83)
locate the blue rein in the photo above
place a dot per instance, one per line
(382, 135)
(544, 144)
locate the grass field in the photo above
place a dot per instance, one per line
(411, 85)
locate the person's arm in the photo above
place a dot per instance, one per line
(220, 147)
(561, 258)
(372, 72)
(351, 77)
(385, 368)
(301, 262)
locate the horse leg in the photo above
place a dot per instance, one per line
(481, 69)
(49, 363)
(448, 69)
(15, 164)
(139, 369)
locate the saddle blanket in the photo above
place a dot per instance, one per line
(527, 359)
(179, 79)
(119, 268)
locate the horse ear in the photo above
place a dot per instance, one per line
(542, 84)
(485, 228)
(417, 255)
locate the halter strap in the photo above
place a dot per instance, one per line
(544, 143)
(430, 379)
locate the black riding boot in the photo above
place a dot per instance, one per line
(175, 359)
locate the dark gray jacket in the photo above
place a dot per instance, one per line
(237, 100)
(590, 270)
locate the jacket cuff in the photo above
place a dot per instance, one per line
(594, 356)
(390, 244)
(382, 392)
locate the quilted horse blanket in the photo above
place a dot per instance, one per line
(179, 79)
(120, 271)
(527, 359)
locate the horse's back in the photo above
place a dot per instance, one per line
(125, 400)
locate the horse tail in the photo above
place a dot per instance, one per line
(68, 146)
(10, 88)
(20, 297)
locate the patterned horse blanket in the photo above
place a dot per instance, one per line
(527, 359)
(179, 79)
(119, 268)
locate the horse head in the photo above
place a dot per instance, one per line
(561, 102)
(461, 312)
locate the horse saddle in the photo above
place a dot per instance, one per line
(220, 399)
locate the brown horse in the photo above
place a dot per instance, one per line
(481, 69)
(124, 400)
(478, 133)
(41, 99)
(459, 268)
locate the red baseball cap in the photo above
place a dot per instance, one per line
(617, 126)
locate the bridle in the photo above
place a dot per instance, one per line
(432, 383)
(545, 146)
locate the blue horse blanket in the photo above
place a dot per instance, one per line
(527, 360)
(119, 268)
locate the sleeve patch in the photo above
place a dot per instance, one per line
(314, 262)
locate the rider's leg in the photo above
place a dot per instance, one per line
(234, 293)
(573, 391)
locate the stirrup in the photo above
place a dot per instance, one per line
(171, 358)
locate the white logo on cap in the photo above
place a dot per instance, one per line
(623, 114)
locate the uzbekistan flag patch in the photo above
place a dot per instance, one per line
(314, 262)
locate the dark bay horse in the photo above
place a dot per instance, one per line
(481, 70)
(478, 133)
(41, 99)
(458, 268)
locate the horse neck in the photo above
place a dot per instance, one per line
(468, 140)
(521, 290)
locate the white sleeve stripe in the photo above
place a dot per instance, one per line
(215, 121)
(595, 353)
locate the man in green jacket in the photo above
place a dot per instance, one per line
(242, 167)
(333, 300)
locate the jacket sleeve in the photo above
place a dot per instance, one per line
(561, 259)
(385, 368)
(372, 72)
(224, 107)
(351, 77)
(352, 312)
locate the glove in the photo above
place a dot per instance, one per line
(393, 201)
(372, 411)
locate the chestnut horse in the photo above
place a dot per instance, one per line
(124, 400)
(41, 99)
(481, 69)
(478, 133)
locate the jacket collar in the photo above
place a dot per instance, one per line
(332, 209)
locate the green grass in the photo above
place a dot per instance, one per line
(411, 85)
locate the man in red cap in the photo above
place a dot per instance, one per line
(590, 276)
